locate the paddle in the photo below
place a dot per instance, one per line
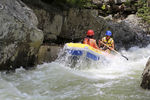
(114, 50)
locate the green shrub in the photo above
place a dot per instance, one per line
(144, 11)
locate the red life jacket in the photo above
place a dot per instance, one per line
(90, 42)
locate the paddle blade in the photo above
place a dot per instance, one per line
(125, 57)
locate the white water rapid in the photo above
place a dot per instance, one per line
(118, 80)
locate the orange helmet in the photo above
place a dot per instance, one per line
(90, 33)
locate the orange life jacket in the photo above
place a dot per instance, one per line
(90, 42)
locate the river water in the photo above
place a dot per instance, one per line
(116, 80)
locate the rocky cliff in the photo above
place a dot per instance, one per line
(61, 26)
(20, 39)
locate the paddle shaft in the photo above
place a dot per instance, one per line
(114, 50)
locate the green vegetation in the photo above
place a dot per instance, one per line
(144, 10)
(127, 3)
(141, 6)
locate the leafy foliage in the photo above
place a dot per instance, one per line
(144, 10)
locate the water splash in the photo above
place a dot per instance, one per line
(117, 80)
(110, 68)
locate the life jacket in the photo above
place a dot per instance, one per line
(108, 42)
(90, 42)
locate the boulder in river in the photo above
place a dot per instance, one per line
(146, 76)
(20, 38)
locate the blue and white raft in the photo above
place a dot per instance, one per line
(84, 50)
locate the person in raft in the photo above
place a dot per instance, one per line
(107, 43)
(89, 39)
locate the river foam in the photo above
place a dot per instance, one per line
(117, 80)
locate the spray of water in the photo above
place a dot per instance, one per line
(115, 79)
(111, 67)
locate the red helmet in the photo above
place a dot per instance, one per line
(90, 33)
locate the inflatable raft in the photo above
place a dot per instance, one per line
(84, 50)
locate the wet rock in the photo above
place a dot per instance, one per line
(146, 76)
(136, 24)
(77, 22)
(97, 2)
(50, 38)
(19, 37)
(108, 18)
(47, 53)
(50, 23)
(70, 25)
(129, 32)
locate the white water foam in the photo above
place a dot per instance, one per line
(117, 67)
(56, 81)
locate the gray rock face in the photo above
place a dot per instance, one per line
(136, 24)
(19, 37)
(122, 34)
(50, 23)
(97, 2)
(77, 22)
(127, 33)
(47, 53)
(146, 76)
(74, 23)
(69, 25)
